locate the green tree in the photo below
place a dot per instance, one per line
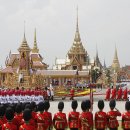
(95, 74)
(108, 75)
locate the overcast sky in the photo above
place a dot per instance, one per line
(101, 22)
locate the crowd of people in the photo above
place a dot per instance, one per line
(117, 94)
(29, 95)
(32, 116)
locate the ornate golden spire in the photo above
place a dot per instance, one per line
(77, 47)
(77, 35)
(116, 64)
(35, 48)
(24, 46)
(24, 37)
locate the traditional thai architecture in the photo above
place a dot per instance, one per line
(115, 65)
(36, 57)
(97, 61)
(28, 65)
(22, 65)
(77, 57)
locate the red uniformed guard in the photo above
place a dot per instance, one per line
(119, 94)
(47, 116)
(59, 119)
(27, 115)
(126, 117)
(100, 117)
(108, 92)
(32, 120)
(113, 93)
(40, 118)
(125, 94)
(112, 116)
(73, 116)
(18, 116)
(33, 108)
(2, 117)
(72, 94)
(86, 117)
(9, 116)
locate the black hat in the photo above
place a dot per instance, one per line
(60, 106)
(83, 106)
(9, 113)
(27, 114)
(33, 105)
(74, 104)
(2, 110)
(88, 104)
(18, 108)
(23, 106)
(41, 106)
(46, 105)
(127, 105)
(100, 104)
(112, 104)
(28, 106)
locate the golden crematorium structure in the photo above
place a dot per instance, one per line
(27, 69)
(20, 70)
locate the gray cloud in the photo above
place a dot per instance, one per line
(101, 22)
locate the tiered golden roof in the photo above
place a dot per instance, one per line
(24, 46)
(77, 47)
(35, 48)
(115, 64)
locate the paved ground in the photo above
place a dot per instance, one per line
(120, 105)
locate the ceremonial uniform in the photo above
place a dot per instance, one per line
(86, 121)
(125, 94)
(40, 121)
(47, 115)
(100, 117)
(113, 94)
(119, 94)
(100, 120)
(86, 117)
(73, 118)
(9, 116)
(112, 116)
(26, 126)
(59, 119)
(2, 121)
(126, 117)
(40, 118)
(18, 120)
(2, 117)
(9, 126)
(108, 92)
(126, 120)
(27, 114)
(48, 119)
(72, 93)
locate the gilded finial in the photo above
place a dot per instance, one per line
(115, 64)
(77, 26)
(35, 40)
(35, 48)
(24, 38)
(96, 51)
